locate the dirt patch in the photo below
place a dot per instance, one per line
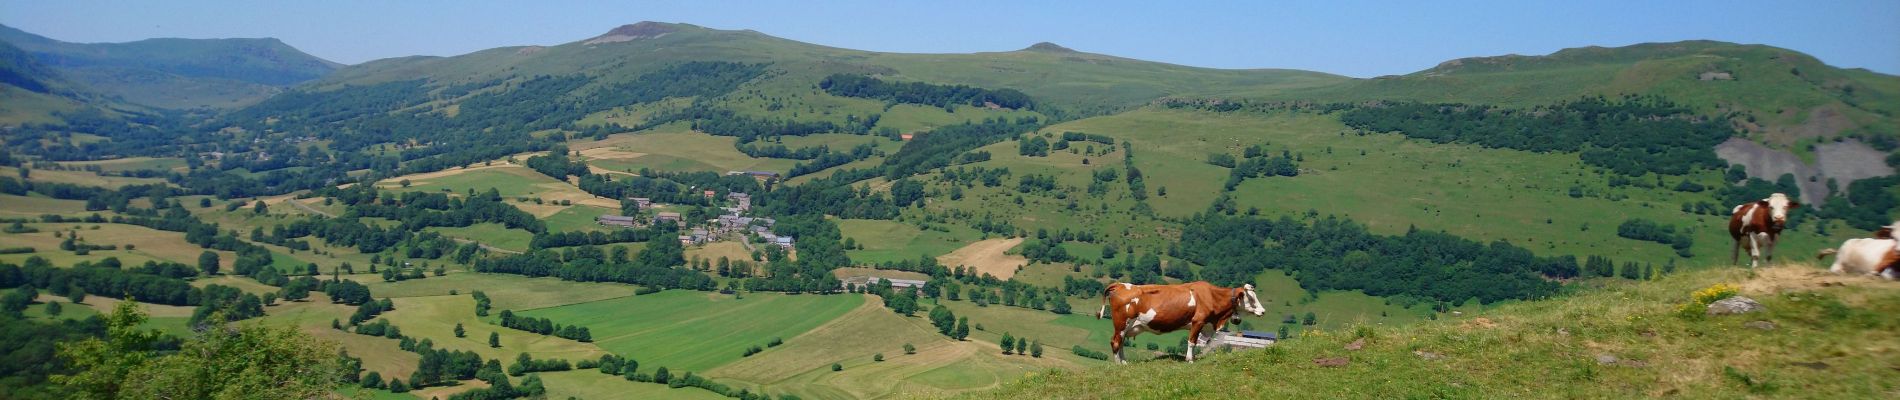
(988, 256)
(1844, 161)
(1775, 280)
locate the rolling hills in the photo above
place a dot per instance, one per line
(1530, 191)
(176, 73)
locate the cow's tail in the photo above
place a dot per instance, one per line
(1824, 253)
(1103, 313)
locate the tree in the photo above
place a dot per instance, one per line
(963, 328)
(208, 262)
(373, 380)
(1009, 344)
(835, 367)
(226, 361)
(661, 375)
(259, 208)
(944, 319)
(1310, 319)
(458, 330)
(76, 294)
(1035, 350)
(909, 349)
(1022, 345)
(879, 357)
(53, 308)
(494, 339)
(396, 386)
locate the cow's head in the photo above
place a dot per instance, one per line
(1250, 301)
(1778, 206)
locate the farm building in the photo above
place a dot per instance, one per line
(642, 202)
(741, 201)
(664, 217)
(783, 241)
(864, 281)
(616, 220)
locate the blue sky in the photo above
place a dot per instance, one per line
(1360, 39)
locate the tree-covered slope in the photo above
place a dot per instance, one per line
(177, 73)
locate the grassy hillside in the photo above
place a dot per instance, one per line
(1788, 95)
(1076, 80)
(1831, 339)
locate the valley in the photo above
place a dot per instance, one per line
(674, 211)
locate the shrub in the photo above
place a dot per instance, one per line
(1700, 300)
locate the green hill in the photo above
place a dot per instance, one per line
(1786, 96)
(1827, 337)
(1076, 80)
(176, 73)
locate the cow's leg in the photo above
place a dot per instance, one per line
(1735, 253)
(1769, 251)
(1754, 250)
(1120, 337)
(1194, 333)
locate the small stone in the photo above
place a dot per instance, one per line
(1563, 331)
(1428, 355)
(1762, 325)
(1735, 305)
(1606, 359)
(1331, 362)
(1356, 344)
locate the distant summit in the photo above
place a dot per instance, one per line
(636, 31)
(1049, 47)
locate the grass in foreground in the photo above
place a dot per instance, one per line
(1833, 339)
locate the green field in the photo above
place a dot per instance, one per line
(505, 291)
(83, 178)
(673, 147)
(147, 245)
(434, 317)
(35, 206)
(886, 241)
(130, 164)
(576, 218)
(696, 331)
(491, 234)
(591, 384)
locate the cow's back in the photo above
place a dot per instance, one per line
(1862, 255)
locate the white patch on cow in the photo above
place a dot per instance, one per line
(1137, 300)
(1126, 285)
(1738, 208)
(1748, 217)
(1128, 307)
(1191, 300)
(1861, 256)
(1138, 324)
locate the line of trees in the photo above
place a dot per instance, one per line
(1631, 135)
(942, 96)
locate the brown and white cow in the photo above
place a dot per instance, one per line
(1168, 308)
(1876, 256)
(1758, 226)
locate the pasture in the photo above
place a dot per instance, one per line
(696, 331)
(434, 317)
(505, 291)
(130, 164)
(885, 240)
(941, 366)
(989, 256)
(36, 205)
(674, 147)
(489, 233)
(83, 178)
(147, 245)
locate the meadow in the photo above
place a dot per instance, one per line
(696, 331)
